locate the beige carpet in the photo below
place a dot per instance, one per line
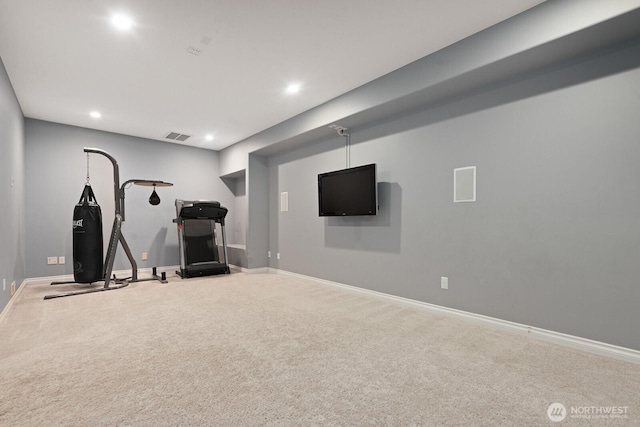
(266, 349)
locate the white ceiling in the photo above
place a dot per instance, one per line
(65, 59)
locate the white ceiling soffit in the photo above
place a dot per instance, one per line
(217, 67)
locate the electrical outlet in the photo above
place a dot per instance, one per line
(444, 282)
(268, 254)
(4, 285)
(52, 260)
(278, 255)
(145, 256)
(13, 288)
(61, 260)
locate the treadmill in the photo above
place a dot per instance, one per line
(197, 238)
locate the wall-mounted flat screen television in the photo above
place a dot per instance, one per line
(348, 192)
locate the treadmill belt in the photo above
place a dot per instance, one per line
(200, 245)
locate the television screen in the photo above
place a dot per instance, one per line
(348, 192)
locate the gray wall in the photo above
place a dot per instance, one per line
(12, 220)
(241, 210)
(554, 238)
(237, 183)
(258, 215)
(56, 171)
(237, 242)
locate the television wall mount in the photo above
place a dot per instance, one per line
(342, 131)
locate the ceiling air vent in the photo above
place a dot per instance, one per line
(177, 136)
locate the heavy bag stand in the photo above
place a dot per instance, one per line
(116, 235)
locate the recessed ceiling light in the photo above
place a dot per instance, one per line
(95, 114)
(209, 137)
(122, 22)
(293, 88)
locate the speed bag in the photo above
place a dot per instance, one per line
(87, 239)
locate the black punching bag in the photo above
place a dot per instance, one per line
(87, 238)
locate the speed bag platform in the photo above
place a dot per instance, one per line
(87, 239)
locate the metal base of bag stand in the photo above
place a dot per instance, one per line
(119, 284)
(86, 291)
(117, 237)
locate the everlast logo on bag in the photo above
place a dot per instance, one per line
(78, 223)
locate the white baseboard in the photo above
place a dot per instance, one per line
(584, 344)
(260, 270)
(14, 298)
